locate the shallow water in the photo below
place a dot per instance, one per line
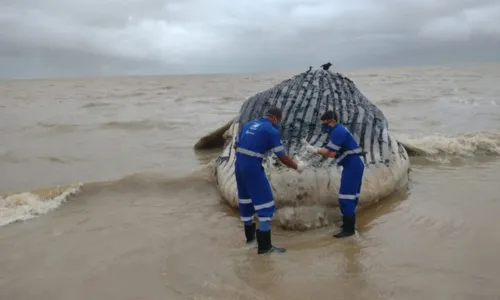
(147, 223)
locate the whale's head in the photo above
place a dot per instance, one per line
(303, 99)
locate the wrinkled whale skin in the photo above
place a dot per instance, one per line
(309, 199)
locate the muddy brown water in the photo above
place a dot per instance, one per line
(147, 223)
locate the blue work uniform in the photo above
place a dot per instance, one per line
(254, 191)
(348, 155)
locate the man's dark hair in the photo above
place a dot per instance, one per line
(274, 111)
(329, 115)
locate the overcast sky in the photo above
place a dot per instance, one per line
(41, 38)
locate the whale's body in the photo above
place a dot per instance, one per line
(309, 199)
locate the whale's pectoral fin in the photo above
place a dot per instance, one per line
(412, 150)
(214, 139)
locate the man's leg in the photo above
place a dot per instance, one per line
(246, 209)
(358, 178)
(262, 198)
(347, 202)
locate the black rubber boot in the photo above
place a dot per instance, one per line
(250, 233)
(264, 243)
(343, 221)
(348, 227)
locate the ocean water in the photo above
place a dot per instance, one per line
(105, 198)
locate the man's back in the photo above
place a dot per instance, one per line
(349, 142)
(257, 137)
(344, 143)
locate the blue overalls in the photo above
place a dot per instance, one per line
(348, 156)
(254, 191)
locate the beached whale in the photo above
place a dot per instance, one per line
(309, 199)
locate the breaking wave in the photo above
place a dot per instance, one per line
(28, 205)
(443, 148)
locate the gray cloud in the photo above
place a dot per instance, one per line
(87, 37)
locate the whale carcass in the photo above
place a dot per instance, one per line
(309, 199)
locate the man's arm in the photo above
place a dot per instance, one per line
(278, 149)
(327, 152)
(336, 139)
(288, 161)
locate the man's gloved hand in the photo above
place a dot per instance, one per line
(311, 149)
(301, 166)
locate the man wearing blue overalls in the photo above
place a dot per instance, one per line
(343, 147)
(254, 191)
